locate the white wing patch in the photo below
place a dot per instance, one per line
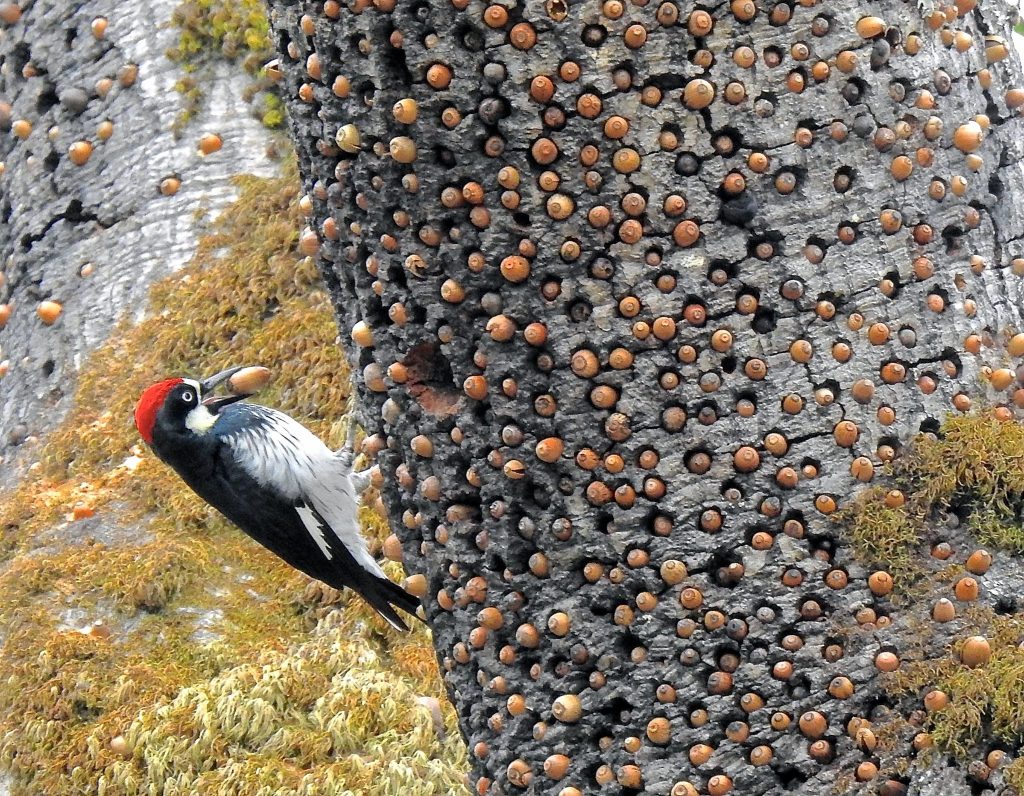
(315, 529)
(285, 456)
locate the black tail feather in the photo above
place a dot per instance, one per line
(384, 595)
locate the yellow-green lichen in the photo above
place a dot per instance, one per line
(232, 30)
(215, 667)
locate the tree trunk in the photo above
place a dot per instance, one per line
(652, 290)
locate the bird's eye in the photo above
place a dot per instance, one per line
(187, 396)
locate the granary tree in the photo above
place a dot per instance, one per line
(641, 295)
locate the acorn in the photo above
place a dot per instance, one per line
(968, 137)
(348, 138)
(210, 143)
(975, 651)
(169, 186)
(943, 610)
(871, 27)
(49, 311)
(978, 562)
(249, 380)
(567, 708)
(403, 149)
(79, 152)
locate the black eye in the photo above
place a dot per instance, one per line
(187, 396)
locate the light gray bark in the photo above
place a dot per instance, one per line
(108, 214)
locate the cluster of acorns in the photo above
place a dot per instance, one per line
(642, 291)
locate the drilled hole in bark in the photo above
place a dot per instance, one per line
(764, 321)
(790, 778)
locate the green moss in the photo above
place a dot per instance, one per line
(227, 671)
(232, 30)
(883, 535)
(273, 111)
(984, 702)
(975, 464)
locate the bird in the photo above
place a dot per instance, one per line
(274, 479)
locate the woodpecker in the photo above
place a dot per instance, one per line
(274, 479)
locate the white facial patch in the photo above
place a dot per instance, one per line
(200, 420)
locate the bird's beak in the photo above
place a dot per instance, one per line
(210, 384)
(214, 403)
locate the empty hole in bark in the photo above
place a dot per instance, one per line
(47, 99)
(19, 56)
(50, 161)
(665, 82)
(48, 367)
(729, 364)
(471, 38)
(522, 219)
(594, 35)
(395, 66)
(799, 686)
(579, 310)
(764, 321)
(790, 778)
(995, 186)
(953, 235)
(772, 54)
(70, 34)
(444, 156)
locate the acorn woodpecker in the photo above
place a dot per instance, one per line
(274, 479)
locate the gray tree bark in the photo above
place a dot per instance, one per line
(652, 289)
(93, 237)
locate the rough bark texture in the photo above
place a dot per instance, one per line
(659, 342)
(93, 237)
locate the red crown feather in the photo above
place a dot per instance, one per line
(149, 404)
